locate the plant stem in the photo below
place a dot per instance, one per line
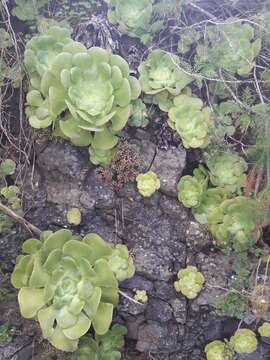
(32, 228)
(129, 298)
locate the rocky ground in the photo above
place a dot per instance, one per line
(159, 232)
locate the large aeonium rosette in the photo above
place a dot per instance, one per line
(68, 284)
(85, 95)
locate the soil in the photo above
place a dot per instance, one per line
(160, 233)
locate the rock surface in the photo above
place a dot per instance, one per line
(161, 236)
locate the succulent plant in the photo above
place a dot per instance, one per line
(84, 94)
(41, 51)
(228, 46)
(210, 200)
(9, 196)
(138, 114)
(7, 167)
(218, 350)
(28, 10)
(103, 347)
(188, 38)
(164, 99)
(191, 121)
(5, 39)
(141, 295)
(135, 18)
(161, 72)
(235, 224)
(147, 183)
(227, 170)
(10, 70)
(264, 329)
(244, 341)
(74, 216)
(190, 282)
(68, 284)
(191, 188)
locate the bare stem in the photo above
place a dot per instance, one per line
(30, 227)
(129, 298)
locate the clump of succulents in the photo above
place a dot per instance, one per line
(227, 170)
(138, 114)
(102, 347)
(210, 200)
(264, 329)
(147, 183)
(134, 18)
(190, 282)
(68, 284)
(244, 341)
(161, 75)
(235, 224)
(219, 350)
(191, 120)
(230, 46)
(191, 188)
(84, 95)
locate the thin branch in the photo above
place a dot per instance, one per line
(19, 219)
(129, 298)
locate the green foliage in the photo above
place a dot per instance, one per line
(5, 39)
(134, 18)
(68, 284)
(228, 46)
(10, 71)
(103, 347)
(242, 266)
(227, 170)
(147, 183)
(191, 121)
(259, 150)
(219, 350)
(264, 329)
(230, 117)
(209, 201)
(169, 8)
(232, 304)
(84, 94)
(161, 72)
(28, 10)
(138, 114)
(74, 216)
(191, 188)
(188, 38)
(74, 12)
(244, 341)
(190, 282)
(6, 333)
(235, 223)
